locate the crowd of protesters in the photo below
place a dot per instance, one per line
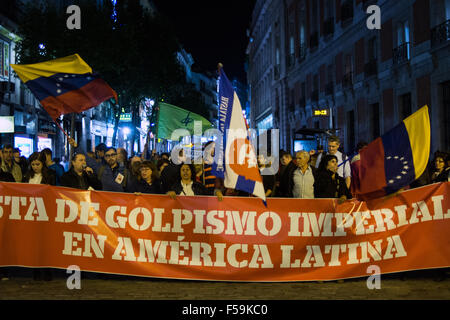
(307, 174)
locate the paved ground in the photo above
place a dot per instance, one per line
(415, 285)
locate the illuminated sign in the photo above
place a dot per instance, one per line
(44, 142)
(320, 113)
(7, 123)
(25, 145)
(126, 117)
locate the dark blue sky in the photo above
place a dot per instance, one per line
(212, 31)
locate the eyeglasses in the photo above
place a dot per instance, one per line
(110, 155)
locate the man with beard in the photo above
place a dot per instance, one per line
(9, 165)
(79, 175)
(112, 176)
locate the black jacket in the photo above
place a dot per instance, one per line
(169, 176)
(143, 187)
(198, 188)
(326, 187)
(283, 189)
(72, 180)
(442, 177)
(49, 178)
(6, 176)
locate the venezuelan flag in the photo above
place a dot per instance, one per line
(64, 85)
(395, 159)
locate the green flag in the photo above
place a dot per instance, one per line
(171, 118)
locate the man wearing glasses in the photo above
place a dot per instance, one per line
(112, 176)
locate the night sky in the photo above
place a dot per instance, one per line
(212, 31)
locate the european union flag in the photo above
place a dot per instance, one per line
(394, 160)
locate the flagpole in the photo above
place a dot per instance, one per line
(155, 135)
(72, 132)
(55, 120)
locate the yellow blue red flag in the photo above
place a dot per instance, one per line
(395, 159)
(64, 85)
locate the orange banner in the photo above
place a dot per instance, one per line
(237, 239)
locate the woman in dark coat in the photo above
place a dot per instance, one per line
(328, 183)
(148, 181)
(440, 172)
(38, 173)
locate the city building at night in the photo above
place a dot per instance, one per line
(205, 82)
(32, 129)
(317, 65)
(29, 126)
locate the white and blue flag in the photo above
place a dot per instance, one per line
(236, 161)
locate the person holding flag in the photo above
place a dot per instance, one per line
(235, 157)
(393, 161)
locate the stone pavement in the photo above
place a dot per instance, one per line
(415, 285)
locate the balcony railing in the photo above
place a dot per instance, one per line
(440, 34)
(329, 89)
(328, 26)
(347, 80)
(301, 52)
(368, 3)
(291, 60)
(302, 103)
(371, 68)
(315, 95)
(401, 54)
(347, 11)
(314, 40)
(6, 86)
(276, 72)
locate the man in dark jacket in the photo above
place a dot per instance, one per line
(289, 167)
(112, 176)
(79, 176)
(6, 176)
(171, 174)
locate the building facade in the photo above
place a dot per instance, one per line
(24, 123)
(31, 127)
(309, 55)
(205, 82)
